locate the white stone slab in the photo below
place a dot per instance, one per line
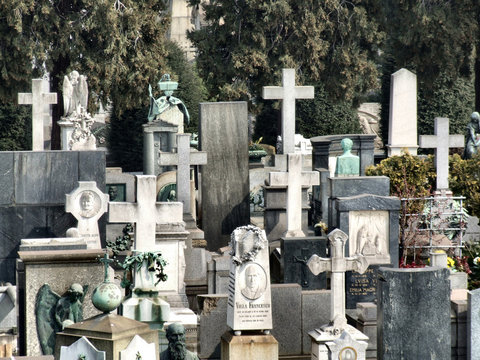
(402, 131)
(138, 347)
(87, 203)
(249, 299)
(81, 347)
(288, 93)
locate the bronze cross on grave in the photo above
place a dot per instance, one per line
(303, 261)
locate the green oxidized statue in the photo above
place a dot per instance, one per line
(54, 312)
(158, 106)
(177, 348)
(347, 164)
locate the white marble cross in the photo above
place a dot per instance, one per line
(81, 347)
(146, 213)
(442, 141)
(87, 203)
(138, 349)
(183, 159)
(337, 264)
(294, 179)
(288, 93)
(40, 98)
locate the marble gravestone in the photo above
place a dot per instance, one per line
(81, 347)
(225, 194)
(87, 203)
(402, 124)
(249, 300)
(138, 349)
(40, 98)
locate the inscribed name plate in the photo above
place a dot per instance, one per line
(249, 297)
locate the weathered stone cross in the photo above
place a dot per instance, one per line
(338, 264)
(146, 213)
(40, 98)
(441, 142)
(288, 93)
(294, 179)
(183, 159)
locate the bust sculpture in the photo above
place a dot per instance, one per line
(347, 164)
(177, 349)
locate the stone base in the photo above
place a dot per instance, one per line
(322, 343)
(249, 347)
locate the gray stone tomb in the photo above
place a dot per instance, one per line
(223, 135)
(413, 314)
(87, 203)
(473, 325)
(40, 98)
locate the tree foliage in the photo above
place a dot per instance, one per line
(119, 45)
(436, 39)
(246, 44)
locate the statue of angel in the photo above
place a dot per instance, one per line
(75, 93)
(54, 312)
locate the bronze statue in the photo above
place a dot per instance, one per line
(54, 312)
(473, 136)
(177, 349)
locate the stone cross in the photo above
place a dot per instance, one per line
(87, 203)
(40, 98)
(337, 264)
(294, 179)
(146, 213)
(441, 142)
(183, 159)
(288, 93)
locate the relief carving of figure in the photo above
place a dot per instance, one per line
(75, 93)
(254, 282)
(88, 204)
(367, 244)
(54, 312)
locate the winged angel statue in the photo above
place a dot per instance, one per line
(54, 312)
(75, 93)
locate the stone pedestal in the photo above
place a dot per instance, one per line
(66, 130)
(107, 332)
(326, 346)
(249, 347)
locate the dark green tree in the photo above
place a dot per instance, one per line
(118, 44)
(247, 43)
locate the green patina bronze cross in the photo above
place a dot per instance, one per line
(106, 261)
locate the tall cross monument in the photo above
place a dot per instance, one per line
(40, 98)
(442, 141)
(288, 93)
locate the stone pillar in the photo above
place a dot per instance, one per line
(413, 314)
(148, 152)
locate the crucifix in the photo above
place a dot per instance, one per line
(303, 263)
(146, 213)
(183, 159)
(337, 264)
(294, 179)
(40, 98)
(288, 93)
(442, 141)
(106, 263)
